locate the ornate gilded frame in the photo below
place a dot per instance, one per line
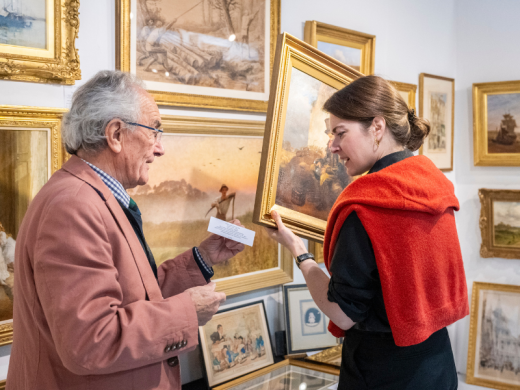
(184, 99)
(410, 89)
(291, 53)
(317, 31)
(329, 356)
(33, 117)
(273, 367)
(253, 281)
(59, 64)
(480, 131)
(486, 223)
(473, 334)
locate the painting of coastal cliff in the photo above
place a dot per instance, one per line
(23, 23)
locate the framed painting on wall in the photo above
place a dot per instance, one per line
(210, 168)
(437, 105)
(235, 342)
(38, 41)
(299, 176)
(200, 53)
(353, 48)
(407, 92)
(500, 223)
(494, 344)
(496, 134)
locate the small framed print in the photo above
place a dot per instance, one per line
(306, 325)
(235, 342)
(494, 345)
(437, 105)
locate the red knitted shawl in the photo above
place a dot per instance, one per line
(407, 210)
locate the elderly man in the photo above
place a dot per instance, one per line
(92, 309)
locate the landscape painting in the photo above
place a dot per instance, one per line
(203, 176)
(23, 23)
(348, 55)
(506, 220)
(310, 177)
(438, 119)
(503, 132)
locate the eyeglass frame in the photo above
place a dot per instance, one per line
(159, 132)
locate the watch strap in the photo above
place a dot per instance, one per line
(302, 258)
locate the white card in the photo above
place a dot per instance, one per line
(233, 232)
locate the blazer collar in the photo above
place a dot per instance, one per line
(82, 171)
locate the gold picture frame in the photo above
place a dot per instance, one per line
(192, 99)
(56, 63)
(438, 93)
(489, 362)
(23, 118)
(495, 105)
(407, 91)
(499, 238)
(287, 363)
(330, 356)
(322, 74)
(316, 32)
(210, 128)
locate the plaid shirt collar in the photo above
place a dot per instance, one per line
(114, 186)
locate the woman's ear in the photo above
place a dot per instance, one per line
(379, 125)
(114, 135)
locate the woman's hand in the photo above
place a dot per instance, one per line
(286, 237)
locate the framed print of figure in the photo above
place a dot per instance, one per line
(299, 176)
(353, 48)
(235, 342)
(496, 123)
(500, 223)
(38, 41)
(437, 104)
(210, 169)
(200, 53)
(494, 344)
(305, 324)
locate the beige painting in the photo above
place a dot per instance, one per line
(437, 137)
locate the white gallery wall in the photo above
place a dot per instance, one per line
(469, 40)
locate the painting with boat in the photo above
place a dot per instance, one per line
(23, 23)
(503, 130)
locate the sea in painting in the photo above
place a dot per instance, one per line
(437, 136)
(201, 177)
(310, 177)
(348, 55)
(506, 220)
(23, 23)
(206, 43)
(503, 110)
(498, 345)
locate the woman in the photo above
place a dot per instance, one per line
(391, 246)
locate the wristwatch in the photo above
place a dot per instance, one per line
(302, 258)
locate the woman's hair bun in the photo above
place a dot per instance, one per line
(419, 130)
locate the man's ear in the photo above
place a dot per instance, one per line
(114, 135)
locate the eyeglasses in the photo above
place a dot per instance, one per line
(158, 132)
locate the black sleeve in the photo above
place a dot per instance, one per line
(354, 276)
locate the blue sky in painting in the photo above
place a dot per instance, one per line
(347, 55)
(498, 105)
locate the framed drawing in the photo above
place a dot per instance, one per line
(496, 134)
(500, 223)
(305, 324)
(200, 53)
(331, 356)
(235, 342)
(407, 91)
(494, 345)
(38, 41)
(287, 375)
(30, 152)
(299, 177)
(437, 104)
(210, 167)
(353, 48)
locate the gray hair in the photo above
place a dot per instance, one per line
(108, 95)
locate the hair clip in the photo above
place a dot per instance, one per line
(411, 115)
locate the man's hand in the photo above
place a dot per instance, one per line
(216, 249)
(206, 301)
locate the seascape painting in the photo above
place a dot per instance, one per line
(23, 23)
(236, 342)
(211, 44)
(503, 132)
(506, 221)
(310, 177)
(437, 136)
(348, 55)
(203, 176)
(497, 352)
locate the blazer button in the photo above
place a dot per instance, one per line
(167, 349)
(184, 343)
(179, 344)
(173, 361)
(173, 347)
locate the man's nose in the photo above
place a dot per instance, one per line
(158, 150)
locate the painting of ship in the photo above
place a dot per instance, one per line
(506, 133)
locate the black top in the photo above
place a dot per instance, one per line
(355, 285)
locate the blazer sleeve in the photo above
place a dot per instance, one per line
(78, 289)
(184, 264)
